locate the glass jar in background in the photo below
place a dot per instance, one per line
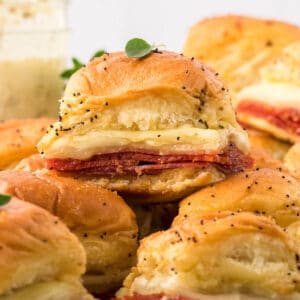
(33, 50)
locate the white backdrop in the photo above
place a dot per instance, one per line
(109, 24)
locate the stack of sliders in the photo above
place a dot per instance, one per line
(239, 239)
(40, 258)
(153, 139)
(156, 129)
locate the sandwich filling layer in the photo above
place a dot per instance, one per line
(139, 162)
(286, 118)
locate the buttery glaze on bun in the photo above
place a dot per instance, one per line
(272, 105)
(264, 192)
(225, 254)
(19, 138)
(239, 46)
(40, 258)
(128, 122)
(100, 219)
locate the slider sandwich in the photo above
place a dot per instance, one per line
(40, 259)
(239, 46)
(228, 256)
(272, 105)
(101, 220)
(153, 129)
(238, 239)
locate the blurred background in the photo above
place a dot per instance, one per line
(110, 23)
(39, 37)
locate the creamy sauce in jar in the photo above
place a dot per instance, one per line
(33, 39)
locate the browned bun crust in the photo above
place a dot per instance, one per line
(238, 46)
(102, 221)
(19, 139)
(266, 192)
(38, 253)
(115, 74)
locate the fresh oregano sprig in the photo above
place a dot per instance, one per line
(138, 48)
(4, 199)
(66, 74)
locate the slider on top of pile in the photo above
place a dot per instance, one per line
(154, 128)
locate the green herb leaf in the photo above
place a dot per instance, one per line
(98, 54)
(4, 199)
(137, 48)
(77, 64)
(67, 73)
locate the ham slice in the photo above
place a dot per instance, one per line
(140, 162)
(287, 118)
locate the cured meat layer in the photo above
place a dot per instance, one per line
(285, 118)
(147, 162)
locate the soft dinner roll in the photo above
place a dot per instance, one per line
(153, 129)
(101, 220)
(239, 46)
(19, 138)
(40, 259)
(263, 192)
(272, 105)
(219, 254)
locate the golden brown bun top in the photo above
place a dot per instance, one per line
(36, 247)
(81, 206)
(116, 74)
(237, 46)
(19, 138)
(265, 192)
